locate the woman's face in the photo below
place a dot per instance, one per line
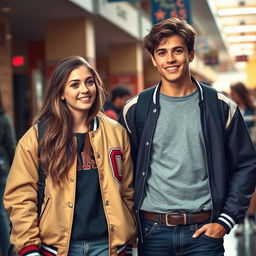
(79, 91)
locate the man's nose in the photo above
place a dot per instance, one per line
(170, 57)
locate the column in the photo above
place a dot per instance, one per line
(126, 66)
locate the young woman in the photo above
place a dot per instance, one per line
(85, 155)
(241, 95)
(7, 149)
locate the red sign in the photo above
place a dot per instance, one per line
(128, 80)
(18, 61)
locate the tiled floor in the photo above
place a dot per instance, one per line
(243, 245)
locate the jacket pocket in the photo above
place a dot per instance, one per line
(44, 211)
(131, 215)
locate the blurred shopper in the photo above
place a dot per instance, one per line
(7, 149)
(85, 155)
(119, 96)
(195, 161)
(242, 97)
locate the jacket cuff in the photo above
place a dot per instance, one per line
(227, 221)
(29, 251)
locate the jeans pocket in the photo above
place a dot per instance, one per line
(148, 227)
(214, 239)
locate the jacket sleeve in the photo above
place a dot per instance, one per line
(127, 190)
(241, 176)
(127, 119)
(20, 197)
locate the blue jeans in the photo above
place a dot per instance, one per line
(95, 247)
(161, 240)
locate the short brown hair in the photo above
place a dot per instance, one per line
(170, 27)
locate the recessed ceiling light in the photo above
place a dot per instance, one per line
(240, 29)
(237, 46)
(237, 11)
(241, 52)
(233, 39)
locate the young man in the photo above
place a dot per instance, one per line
(195, 163)
(119, 96)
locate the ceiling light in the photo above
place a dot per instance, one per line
(241, 65)
(240, 29)
(233, 39)
(237, 11)
(241, 51)
(246, 46)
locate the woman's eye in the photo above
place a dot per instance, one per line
(75, 85)
(90, 82)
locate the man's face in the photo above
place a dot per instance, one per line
(171, 58)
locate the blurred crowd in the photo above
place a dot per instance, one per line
(246, 100)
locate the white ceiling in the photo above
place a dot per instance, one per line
(232, 27)
(28, 19)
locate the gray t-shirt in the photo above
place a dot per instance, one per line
(178, 176)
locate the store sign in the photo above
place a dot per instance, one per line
(242, 58)
(129, 81)
(163, 9)
(211, 58)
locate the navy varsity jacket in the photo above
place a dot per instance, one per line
(231, 157)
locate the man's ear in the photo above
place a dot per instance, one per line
(191, 55)
(153, 60)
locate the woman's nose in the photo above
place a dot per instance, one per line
(84, 87)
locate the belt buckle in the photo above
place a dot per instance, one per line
(173, 213)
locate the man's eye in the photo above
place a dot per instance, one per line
(178, 51)
(161, 53)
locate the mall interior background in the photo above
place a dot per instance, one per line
(35, 34)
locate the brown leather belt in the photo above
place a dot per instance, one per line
(177, 218)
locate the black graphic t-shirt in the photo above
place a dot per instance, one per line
(89, 218)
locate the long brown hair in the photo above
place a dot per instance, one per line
(57, 146)
(243, 94)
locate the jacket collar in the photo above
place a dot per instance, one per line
(158, 86)
(94, 124)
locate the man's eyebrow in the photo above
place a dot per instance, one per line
(161, 49)
(174, 48)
